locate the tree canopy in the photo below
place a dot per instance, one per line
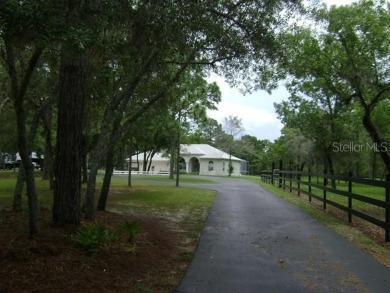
(338, 77)
(106, 63)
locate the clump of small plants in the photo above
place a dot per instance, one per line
(93, 238)
(130, 230)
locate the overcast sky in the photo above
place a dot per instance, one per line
(256, 110)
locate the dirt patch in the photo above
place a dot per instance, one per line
(53, 263)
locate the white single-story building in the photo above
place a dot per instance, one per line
(201, 159)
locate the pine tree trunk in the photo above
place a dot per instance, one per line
(67, 167)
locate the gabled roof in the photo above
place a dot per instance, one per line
(205, 151)
(201, 151)
(156, 157)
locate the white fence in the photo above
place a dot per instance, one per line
(119, 172)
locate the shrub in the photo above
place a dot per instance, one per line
(131, 229)
(92, 238)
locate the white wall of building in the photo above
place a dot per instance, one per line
(158, 165)
(218, 167)
(201, 158)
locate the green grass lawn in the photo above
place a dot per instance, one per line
(186, 206)
(251, 178)
(7, 187)
(144, 179)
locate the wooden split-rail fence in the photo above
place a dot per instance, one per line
(359, 197)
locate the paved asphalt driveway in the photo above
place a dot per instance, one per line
(254, 241)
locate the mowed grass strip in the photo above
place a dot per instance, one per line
(169, 198)
(144, 179)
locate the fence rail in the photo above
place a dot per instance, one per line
(322, 187)
(125, 172)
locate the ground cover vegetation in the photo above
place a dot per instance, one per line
(142, 243)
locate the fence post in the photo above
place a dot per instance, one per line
(280, 172)
(349, 197)
(387, 213)
(310, 184)
(299, 182)
(272, 173)
(324, 190)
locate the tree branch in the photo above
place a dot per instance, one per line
(379, 94)
(129, 90)
(231, 18)
(19, 92)
(151, 102)
(203, 62)
(30, 69)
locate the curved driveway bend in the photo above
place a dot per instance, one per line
(254, 241)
